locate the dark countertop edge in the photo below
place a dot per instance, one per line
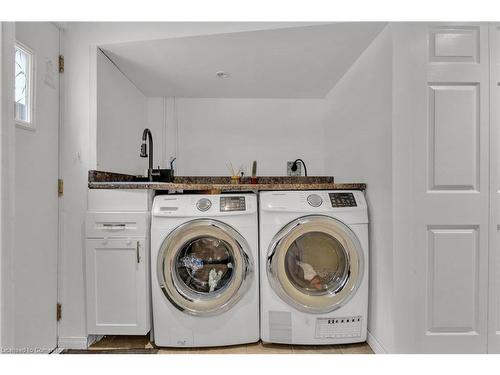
(226, 187)
(104, 176)
(111, 180)
(112, 177)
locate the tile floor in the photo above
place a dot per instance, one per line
(123, 343)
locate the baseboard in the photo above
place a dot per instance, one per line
(376, 346)
(72, 342)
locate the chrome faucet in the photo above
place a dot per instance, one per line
(144, 151)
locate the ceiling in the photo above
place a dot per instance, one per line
(297, 62)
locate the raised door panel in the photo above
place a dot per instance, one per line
(453, 137)
(454, 44)
(452, 281)
(114, 279)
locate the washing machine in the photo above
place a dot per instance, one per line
(204, 264)
(313, 267)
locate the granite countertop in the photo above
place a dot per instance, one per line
(110, 180)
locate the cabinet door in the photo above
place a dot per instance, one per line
(117, 287)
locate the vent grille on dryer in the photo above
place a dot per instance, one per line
(280, 327)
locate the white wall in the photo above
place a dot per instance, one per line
(407, 72)
(78, 143)
(358, 142)
(206, 134)
(121, 118)
(160, 120)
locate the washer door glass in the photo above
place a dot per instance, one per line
(315, 264)
(204, 267)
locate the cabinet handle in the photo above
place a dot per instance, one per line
(137, 250)
(114, 227)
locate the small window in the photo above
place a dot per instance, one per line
(23, 97)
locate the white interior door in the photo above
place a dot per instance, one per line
(36, 203)
(450, 170)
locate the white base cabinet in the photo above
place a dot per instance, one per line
(117, 267)
(117, 295)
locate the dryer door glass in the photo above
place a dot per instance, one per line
(204, 267)
(315, 263)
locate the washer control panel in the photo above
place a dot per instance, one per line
(342, 200)
(233, 203)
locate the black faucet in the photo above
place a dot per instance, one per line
(144, 152)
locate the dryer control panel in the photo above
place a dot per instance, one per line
(233, 203)
(342, 199)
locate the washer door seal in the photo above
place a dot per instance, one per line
(204, 267)
(315, 264)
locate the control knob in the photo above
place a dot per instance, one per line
(314, 200)
(203, 204)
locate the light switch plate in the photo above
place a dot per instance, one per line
(289, 171)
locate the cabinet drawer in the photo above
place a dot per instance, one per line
(117, 224)
(118, 200)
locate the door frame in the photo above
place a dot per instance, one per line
(7, 179)
(494, 251)
(60, 202)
